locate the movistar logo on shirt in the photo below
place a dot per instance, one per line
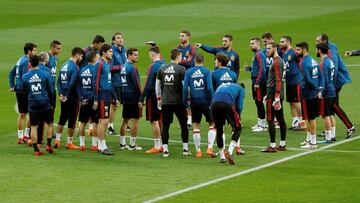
(197, 74)
(169, 69)
(86, 73)
(34, 78)
(123, 71)
(225, 77)
(53, 71)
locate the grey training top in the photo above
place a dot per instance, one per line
(169, 83)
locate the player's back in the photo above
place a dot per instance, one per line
(171, 77)
(223, 75)
(327, 67)
(199, 82)
(86, 81)
(37, 84)
(230, 93)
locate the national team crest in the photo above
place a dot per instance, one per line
(232, 57)
(187, 54)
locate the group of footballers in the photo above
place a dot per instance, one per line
(98, 79)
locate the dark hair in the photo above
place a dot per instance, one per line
(90, 56)
(266, 35)
(174, 53)
(256, 39)
(288, 38)
(323, 47)
(324, 37)
(116, 33)
(242, 85)
(187, 32)
(155, 49)
(29, 47)
(303, 45)
(273, 44)
(98, 39)
(130, 51)
(54, 43)
(199, 58)
(230, 37)
(104, 48)
(77, 50)
(34, 60)
(222, 58)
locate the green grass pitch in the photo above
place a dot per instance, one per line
(331, 175)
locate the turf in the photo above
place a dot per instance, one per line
(74, 176)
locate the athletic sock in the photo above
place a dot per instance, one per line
(211, 137)
(20, 134)
(328, 134)
(307, 136)
(157, 143)
(313, 139)
(263, 123)
(69, 140)
(58, 136)
(111, 125)
(186, 146)
(224, 139)
(166, 148)
(82, 140)
(273, 145)
(333, 132)
(238, 143)
(94, 141)
(132, 141)
(122, 140)
(232, 146)
(99, 144)
(282, 143)
(27, 132)
(222, 154)
(196, 137)
(189, 121)
(103, 145)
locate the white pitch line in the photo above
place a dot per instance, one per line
(353, 65)
(203, 143)
(246, 171)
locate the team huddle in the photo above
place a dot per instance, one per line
(98, 79)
